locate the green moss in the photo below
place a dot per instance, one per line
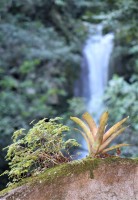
(69, 169)
(57, 173)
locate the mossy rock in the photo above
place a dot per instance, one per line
(85, 179)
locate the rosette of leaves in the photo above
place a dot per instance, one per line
(97, 137)
(40, 148)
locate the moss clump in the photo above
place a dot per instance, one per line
(57, 173)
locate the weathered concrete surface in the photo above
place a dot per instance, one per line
(116, 179)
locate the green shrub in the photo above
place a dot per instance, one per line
(37, 149)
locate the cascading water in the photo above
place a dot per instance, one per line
(94, 78)
(97, 53)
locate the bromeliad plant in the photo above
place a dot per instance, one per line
(98, 138)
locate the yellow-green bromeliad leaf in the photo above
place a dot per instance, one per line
(84, 127)
(86, 139)
(111, 138)
(100, 132)
(113, 129)
(91, 123)
(115, 147)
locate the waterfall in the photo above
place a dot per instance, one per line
(96, 54)
(94, 76)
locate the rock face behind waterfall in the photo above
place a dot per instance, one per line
(108, 179)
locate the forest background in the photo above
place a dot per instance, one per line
(41, 45)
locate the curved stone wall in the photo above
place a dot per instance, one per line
(108, 179)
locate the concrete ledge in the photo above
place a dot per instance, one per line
(91, 179)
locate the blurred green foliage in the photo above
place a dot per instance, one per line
(121, 98)
(122, 20)
(40, 47)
